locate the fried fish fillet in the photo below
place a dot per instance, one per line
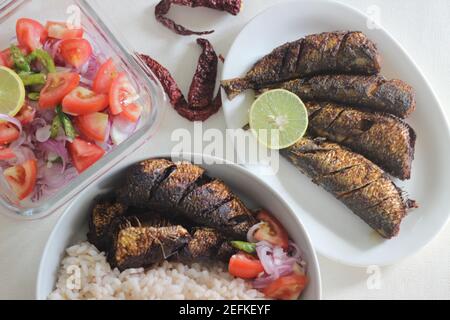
(329, 52)
(137, 246)
(361, 185)
(102, 215)
(204, 245)
(374, 93)
(184, 189)
(382, 138)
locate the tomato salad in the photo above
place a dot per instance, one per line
(77, 106)
(270, 260)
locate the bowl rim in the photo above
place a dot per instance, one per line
(184, 156)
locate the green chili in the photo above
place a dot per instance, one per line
(33, 96)
(56, 126)
(44, 58)
(69, 129)
(244, 246)
(19, 59)
(31, 79)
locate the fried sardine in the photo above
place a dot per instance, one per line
(138, 246)
(184, 189)
(361, 185)
(328, 52)
(374, 93)
(382, 138)
(104, 212)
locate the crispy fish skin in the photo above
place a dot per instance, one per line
(374, 93)
(328, 52)
(214, 205)
(141, 180)
(175, 186)
(185, 190)
(361, 185)
(204, 245)
(386, 140)
(234, 218)
(140, 247)
(102, 216)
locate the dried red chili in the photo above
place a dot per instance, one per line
(201, 92)
(168, 83)
(162, 8)
(202, 87)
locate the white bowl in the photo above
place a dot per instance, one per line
(72, 226)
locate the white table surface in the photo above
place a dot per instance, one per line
(422, 27)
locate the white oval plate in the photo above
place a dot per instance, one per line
(72, 227)
(336, 232)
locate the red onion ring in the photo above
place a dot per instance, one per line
(43, 133)
(12, 120)
(251, 233)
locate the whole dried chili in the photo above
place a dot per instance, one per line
(168, 83)
(231, 6)
(201, 92)
(201, 105)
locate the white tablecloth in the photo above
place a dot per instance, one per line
(422, 27)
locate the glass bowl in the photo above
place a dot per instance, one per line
(150, 91)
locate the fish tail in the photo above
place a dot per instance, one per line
(234, 87)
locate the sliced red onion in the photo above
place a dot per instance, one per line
(12, 120)
(276, 263)
(264, 252)
(251, 233)
(52, 47)
(265, 280)
(121, 129)
(54, 179)
(90, 69)
(23, 154)
(86, 82)
(46, 115)
(58, 147)
(20, 141)
(43, 134)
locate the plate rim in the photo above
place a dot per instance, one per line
(440, 109)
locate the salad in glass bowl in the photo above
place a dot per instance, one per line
(63, 106)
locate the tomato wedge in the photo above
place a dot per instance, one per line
(6, 59)
(22, 178)
(26, 114)
(121, 94)
(30, 33)
(131, 112)
(61, 30)
(93, 126)
(6, 153)
(286, 288)
(76, 52)
(245, 266)
(8, 133)
(81, 101)
(84, 154)
(57, 87)
(271, 230)
(105, 77)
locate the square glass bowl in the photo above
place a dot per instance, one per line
(150, 91)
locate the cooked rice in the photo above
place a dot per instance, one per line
(85, 274)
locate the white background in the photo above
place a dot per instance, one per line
(422, 27)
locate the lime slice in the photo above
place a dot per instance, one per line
(12, 92)
(279, 119)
